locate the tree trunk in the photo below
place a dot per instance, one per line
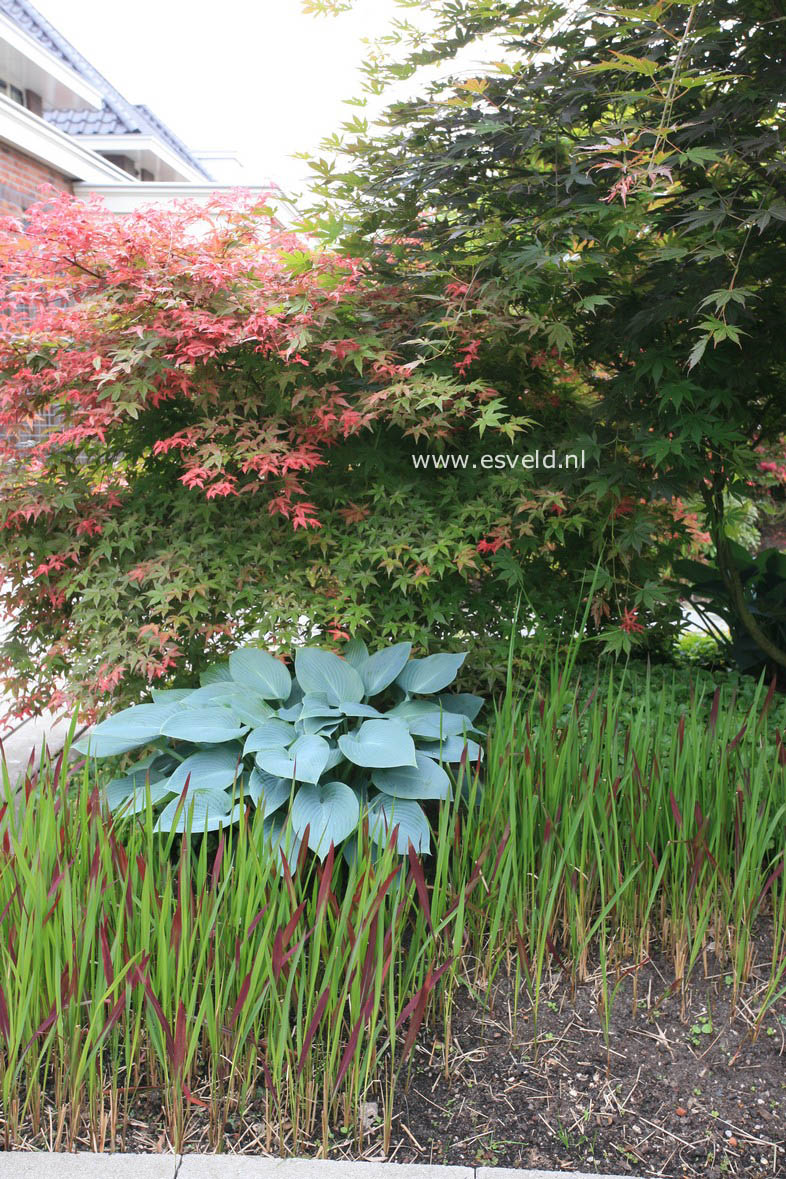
(713, 500)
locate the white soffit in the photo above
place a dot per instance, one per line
(141, 148)
(125, 198)
(27, 64)
(33, 136)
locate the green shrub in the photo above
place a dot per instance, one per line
(313, 743)
(699, 650)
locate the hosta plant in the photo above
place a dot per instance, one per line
(345, 737)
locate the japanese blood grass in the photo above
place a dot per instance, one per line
(660, 833)
(603, 826)
(131, 963)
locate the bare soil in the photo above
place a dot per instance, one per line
(675, 1088)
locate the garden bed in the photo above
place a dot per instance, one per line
(617, 859)
(679, 1091)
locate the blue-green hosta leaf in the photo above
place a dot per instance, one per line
(119, 789)
(317, 716)
(202, 810)
(207, 769)
(424, 719)
(386, 813)
(278, 835)
(335, 757)
(356, 654)
(159, 766)
(155, 766)
(379, 744)
(383, 666)
(237, 812)
(349, 708)
(271, 734)
(210, 725)
(462, 702)
(261, 671)
(126, 730)
(166, 760)
(170, 695)
(215, 693)
(291, 712)
(157, 759)
(431, 674)
(304, 761)
(318, 725)
(136, 801)
(295, 695)
(316, 704)
(267, 791)
(408, 710)
(323, 671)
(246, 706)
(216, 674)
(330, 811)
(436, 725)
(425, 780)
(451, 749)
(250, 708)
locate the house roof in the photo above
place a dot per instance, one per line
(33, 23)
(117, 116)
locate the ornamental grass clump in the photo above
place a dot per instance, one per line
(310, 751)
(644, 821)
(138, 969)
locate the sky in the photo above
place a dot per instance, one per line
(256, 76)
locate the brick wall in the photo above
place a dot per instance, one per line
(21, 177)
(20, 180)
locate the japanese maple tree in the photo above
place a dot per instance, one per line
(614, 176)
(192, 409)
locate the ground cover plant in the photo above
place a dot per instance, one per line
(313, 740)
(620, 858)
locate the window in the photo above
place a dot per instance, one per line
(12, 92)
(38, 430)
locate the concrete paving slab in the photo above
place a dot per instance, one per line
(17, 1164)
(39, 1165)
(238, 1166)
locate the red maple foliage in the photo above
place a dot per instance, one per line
(177, 288)
(156, 365)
